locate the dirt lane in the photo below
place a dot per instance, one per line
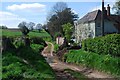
(59, 66)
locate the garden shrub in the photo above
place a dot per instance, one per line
(105, 63)
(108, 44)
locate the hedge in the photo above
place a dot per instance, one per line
(105, 63)
(109, 44)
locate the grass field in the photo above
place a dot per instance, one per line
(9, 33)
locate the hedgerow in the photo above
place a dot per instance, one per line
(109, 44)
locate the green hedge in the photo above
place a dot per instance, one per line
(109, 44)
(104, 63)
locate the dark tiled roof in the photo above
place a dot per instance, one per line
(114, 18)
(91, 16)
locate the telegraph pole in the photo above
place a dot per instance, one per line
(102, 19)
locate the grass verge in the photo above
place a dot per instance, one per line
(105, 63)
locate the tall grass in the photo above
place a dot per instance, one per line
(105, 63)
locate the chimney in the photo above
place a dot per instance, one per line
(105, 12)
(102, 19)
(108, 10)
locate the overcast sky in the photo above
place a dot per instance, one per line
(16, 11)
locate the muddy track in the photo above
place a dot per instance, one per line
(59, 67)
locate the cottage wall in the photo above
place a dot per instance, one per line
(85, 30)
(108, 27)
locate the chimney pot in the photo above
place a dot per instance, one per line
(108, 10)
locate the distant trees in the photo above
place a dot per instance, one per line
(39, 27)
(61, 15)
(23, 28)
(3, 27)
(116, 7)
(27, 27)
(30, 25)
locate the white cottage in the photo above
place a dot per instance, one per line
(90, 25)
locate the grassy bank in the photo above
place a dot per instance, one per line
(21, 62)
(105, 63)
(26, 63)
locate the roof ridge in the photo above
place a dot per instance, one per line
(90, 16)
(94, 11)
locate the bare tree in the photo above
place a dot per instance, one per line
(58, 7)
